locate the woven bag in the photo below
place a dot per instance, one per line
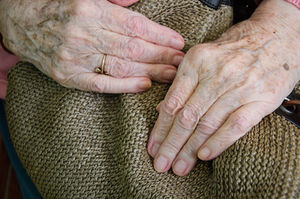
(77, 144)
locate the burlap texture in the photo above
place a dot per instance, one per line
(77, 144)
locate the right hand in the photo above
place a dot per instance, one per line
(66, 40)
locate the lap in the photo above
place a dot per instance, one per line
(76, 143)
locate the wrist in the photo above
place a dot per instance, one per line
(281, 20)
(279, 16)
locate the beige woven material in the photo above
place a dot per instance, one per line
(77, 144)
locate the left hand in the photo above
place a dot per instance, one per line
(68, 40)
(224, 88)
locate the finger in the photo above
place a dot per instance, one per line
(133, 49)
(182, 127)
(115, 66)
(124, 2)
(236, 126)
(136, 49)
(186, 120)
(106, 84)
(208, 124)
(121, 68)
(133, 24)
(176, 97)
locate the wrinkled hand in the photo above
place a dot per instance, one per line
(67, 39)
(224, 88)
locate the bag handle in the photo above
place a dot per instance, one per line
(215, 4)
(290, 108)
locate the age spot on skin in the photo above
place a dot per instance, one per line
(286, 66)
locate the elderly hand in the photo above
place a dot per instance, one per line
(224, 88)
(67, 40)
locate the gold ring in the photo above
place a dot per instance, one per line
(100, 69)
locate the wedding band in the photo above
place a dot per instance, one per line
(100, 69)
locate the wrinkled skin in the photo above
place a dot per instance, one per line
(67, 39)
(224, 88)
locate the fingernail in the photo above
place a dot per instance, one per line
(154, 150)
(177, 60)
(161, 164)
(180, 167)
(144, 85)
(178, 42)
(169, 75)
(204, 153)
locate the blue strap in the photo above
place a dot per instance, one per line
(28, 189)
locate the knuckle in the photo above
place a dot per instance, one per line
(194, 52)
(118, 68)
(205, 50)
(173, 146)
(191, 148)
(188, 117)
(221, 142)
(96, 85)
(231, 67)
(134, 49)
(59, 68)
(57, 75)
(208, 126)
(200, 54)
(62, 57)
(241, 123)
(172, 105)
(165, 55)
(136, 25)
(226, 72)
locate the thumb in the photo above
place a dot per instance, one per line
(124, 2)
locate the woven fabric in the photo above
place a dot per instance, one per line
(77, 144)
